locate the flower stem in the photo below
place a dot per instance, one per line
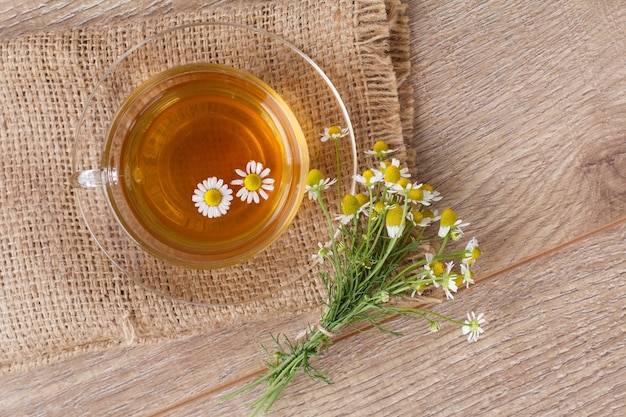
(338, 159)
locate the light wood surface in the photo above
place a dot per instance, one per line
(520, 121)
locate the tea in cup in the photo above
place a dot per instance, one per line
(204, 165)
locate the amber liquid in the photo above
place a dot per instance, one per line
(205, 125)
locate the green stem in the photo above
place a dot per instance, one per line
(443, 245)
(338, 159)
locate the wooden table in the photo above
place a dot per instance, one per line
(526, 137)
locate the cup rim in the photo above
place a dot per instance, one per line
(268, 231)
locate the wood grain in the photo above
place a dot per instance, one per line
(554, 345)
(520, 118)
(520, 121)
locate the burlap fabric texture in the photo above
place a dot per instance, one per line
(59, 294)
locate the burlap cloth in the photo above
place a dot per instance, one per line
(59, 294)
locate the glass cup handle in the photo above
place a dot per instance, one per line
(93, 178)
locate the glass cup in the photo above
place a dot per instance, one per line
(189, 164)
(204, 166)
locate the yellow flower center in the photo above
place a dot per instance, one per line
(416, 194)
(458, 281)
(448, 218)
(212, 197)
(252, 182)
(334, 130)
(437, 268)
(368, 174)
(314, 177)
(379, 206)
(362, 199)
(350, 205)
(403, 182)
(427, 213)
(380, 146)
(417, 216)
(394, 216)
(476, 253)
(427, 187)
(392, 173)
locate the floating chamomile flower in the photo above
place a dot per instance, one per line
(473, 326)
(334, 132)
(254, 181)
(316, 183)
(212, 197)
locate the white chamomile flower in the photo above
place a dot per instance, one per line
(380, 150)
(334, 132)
(323, 252)
(432, 196)
(212, 197)
(434, 269)
(449, 281)
(472, 252)
(351, 207)
(254, 182)
(429, 217)
(468, 275)
(450, 224)
(412, 192)
(392, 172)
(369, 177)
(395, 221)
(316, 183)
(473, 326)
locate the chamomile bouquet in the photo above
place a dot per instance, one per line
(387, 246)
